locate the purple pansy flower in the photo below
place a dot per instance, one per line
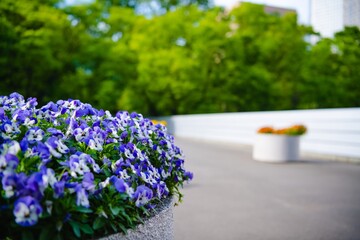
(9, 182)
(34, 186)
(9, 129)
(189, 175)
(31, 103)
(94, 143)
(56, 147)
(119, 184)
(2, 113)
(43, 152)
(34, 134)
(88, 182)
(124, 135)
(81, 196)
(8, 163)
(12, 147)
(27, 211)
(81, 133)
(78, 165)
(21, 115)
(30, 121)
(161, 189)
(59, 188)
(142, 195)
(55, 133)
(104, 184)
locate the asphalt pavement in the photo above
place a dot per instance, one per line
(234, 197)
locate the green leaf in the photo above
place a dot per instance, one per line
(86, 228)
(83, 210)
(27, 235)
(107, 172)
(98, 223)
(123, 228)
(45, 234)
(127, 218)
(58, 237)
(113, 227)
(139, 219)
(115, 210)
(76, 228)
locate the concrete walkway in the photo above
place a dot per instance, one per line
(235, 197)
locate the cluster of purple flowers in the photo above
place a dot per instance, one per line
(69, 148)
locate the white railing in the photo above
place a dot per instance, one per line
(333, 132)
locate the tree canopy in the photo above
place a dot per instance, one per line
(192, 58)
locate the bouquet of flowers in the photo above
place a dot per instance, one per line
(70, 171)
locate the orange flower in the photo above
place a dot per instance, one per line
(294, 130)
(281, 131)
(266, 130)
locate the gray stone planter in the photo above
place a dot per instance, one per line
(158, 227)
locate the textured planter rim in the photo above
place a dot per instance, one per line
(276, 148)
(160, 226)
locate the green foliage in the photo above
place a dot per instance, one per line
(189, 59)
(161, 5)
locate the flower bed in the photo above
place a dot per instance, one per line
(70, 171)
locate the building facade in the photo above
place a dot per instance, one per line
(351, 12)
(331, 16)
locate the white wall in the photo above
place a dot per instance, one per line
(333, 132)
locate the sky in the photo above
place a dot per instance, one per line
(302, 7)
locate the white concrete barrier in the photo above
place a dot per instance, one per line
(334, 132)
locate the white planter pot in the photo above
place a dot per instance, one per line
(276, 148)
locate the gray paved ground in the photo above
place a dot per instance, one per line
(235, 197)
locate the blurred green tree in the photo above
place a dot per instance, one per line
(105, 63)
(332, 78)
(32, 45)
(156, 6)
(190, 59)
(347, 46)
